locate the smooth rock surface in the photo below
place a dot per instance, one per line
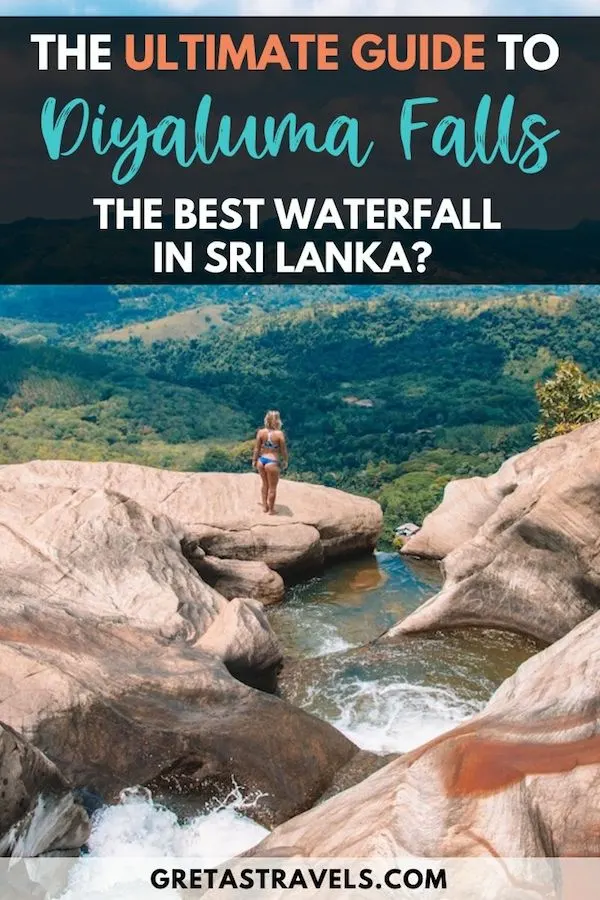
(360, 767)
(520, 548)
(240, 578)
(38, 812)
(242, 637)
(124, 667)
(222, 514)
(521, 779)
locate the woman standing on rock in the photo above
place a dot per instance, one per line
(270, 452)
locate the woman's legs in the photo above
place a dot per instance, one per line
(264, 489)
(272, 480)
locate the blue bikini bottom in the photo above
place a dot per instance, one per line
(266, 460)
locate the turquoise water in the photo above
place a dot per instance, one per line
(385, 697)
(352, 603)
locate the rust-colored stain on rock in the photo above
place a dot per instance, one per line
(367, 579)
(483, 766)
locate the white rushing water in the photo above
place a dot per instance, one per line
(388, 718)
(379, 717)
(137, 832)
(137, 827)
(385, 700)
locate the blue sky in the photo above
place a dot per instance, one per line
(289, 7)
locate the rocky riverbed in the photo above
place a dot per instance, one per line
(121, 663)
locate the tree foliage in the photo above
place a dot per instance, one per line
(567, 400)
(380, 395)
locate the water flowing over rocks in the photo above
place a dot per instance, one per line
(520, 548)
(121, 664)
(520, 779)
(39, 814)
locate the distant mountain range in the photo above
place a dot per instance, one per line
(86, 309)
(385, 392)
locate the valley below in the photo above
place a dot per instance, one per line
(384, 393)
(183, 675)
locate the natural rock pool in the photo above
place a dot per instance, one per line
(385, 697)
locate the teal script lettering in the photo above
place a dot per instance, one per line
(485, 140)
(173, 135)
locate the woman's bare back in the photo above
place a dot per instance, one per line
(271, 442)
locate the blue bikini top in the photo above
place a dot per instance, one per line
(269, 444)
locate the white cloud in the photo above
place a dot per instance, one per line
(305, 7)
(586, 8)
(357, 7)
(45, 7)
(178, 7)
(378, 7)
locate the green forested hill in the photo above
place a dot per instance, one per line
(57, 402)
(385, 396)
(389, 397)
(74, 312)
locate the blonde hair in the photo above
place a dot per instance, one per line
(273, 420)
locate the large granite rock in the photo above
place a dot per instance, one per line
(39, 814)
(521, 779)
(239, 577)
(520, 548)
(222, 514)
(124, 667)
